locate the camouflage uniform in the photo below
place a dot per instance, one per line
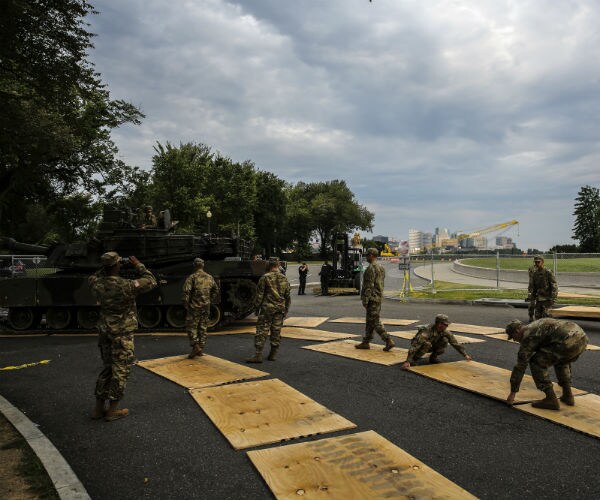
(543, 290)
(531, 307)
(149, 220)
(199, 290)
(428, 339)
(271, 304)
(371, 296)
(548, 342)
(116, 324)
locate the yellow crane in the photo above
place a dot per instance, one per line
(480, 232)
(387, 251)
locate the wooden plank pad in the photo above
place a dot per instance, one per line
(474, 329)
(483, 379)
(304, 322)
(583, 417)
(576, 312)
(376, 354)
(235, 330)
(385, 321)
(203, 371)
(502, 336)
(265, 412)
(409, 334)
(293, 332)
(357, 466)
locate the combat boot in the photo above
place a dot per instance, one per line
(273, 352)
(550, 402)
(196, 351)
(389, 344)
(434, 360)
(567, 396)
(115, 413)
(363, 345)
(257, 358)
(99, 410)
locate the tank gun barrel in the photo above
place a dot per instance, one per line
(27, 248)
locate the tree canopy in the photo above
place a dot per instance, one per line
(587, 219)
(56, 112)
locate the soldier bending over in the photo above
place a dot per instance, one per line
(433, 338)
(544, 343)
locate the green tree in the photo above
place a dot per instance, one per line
(270, 213)
(334, 209)
(56, 113)
(587, 219)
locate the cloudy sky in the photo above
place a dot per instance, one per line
(457, 114)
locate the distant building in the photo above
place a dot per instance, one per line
(381, 239)
(503, 242)
(415, 240)
(477, 243)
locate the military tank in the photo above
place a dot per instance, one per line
(64, 301)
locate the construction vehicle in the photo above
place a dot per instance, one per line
(347, 263)
(387, 251)
(474, 234)
(63, 297)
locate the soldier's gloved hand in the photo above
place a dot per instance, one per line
(365, 303)
(134, 261)
(405, 365)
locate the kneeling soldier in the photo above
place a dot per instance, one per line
(544, 343)
(433, 338)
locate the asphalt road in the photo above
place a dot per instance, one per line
(168, 448)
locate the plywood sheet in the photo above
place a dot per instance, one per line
(234, 330)
(357, 466)
(502, 336)
(483, 379)
(409, 334)
(294, 332)
(203, 371)
(474, 329)
(376, 354)
(385, 321)
(264, 412)
(305, 322)
(583, 417)
(576, 312)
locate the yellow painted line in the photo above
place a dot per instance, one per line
(26, 365)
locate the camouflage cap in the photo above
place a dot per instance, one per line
(513, 327)
(442, 318)
(538, 257)
(373, 251)
(109, 259)
(148, 207)
(198, 262)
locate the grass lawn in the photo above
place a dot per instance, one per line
(583, 265)
(446, 290)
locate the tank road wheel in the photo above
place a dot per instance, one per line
(23, 318)
(149, 316)
(87, 317)
(241, 296)
(215, 316)
(58, 318)
(176, 316)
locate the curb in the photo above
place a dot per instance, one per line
(66, 483)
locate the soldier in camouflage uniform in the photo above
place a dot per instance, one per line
(531, 307)
(433, 338)
(271, 305)
(371, 296)
(149, 220)
(199, 291)
(116, 324)
(543, 289)
(544, 343)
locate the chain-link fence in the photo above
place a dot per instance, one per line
(506, 271)
(21, 266)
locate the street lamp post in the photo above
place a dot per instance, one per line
(208, 216)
